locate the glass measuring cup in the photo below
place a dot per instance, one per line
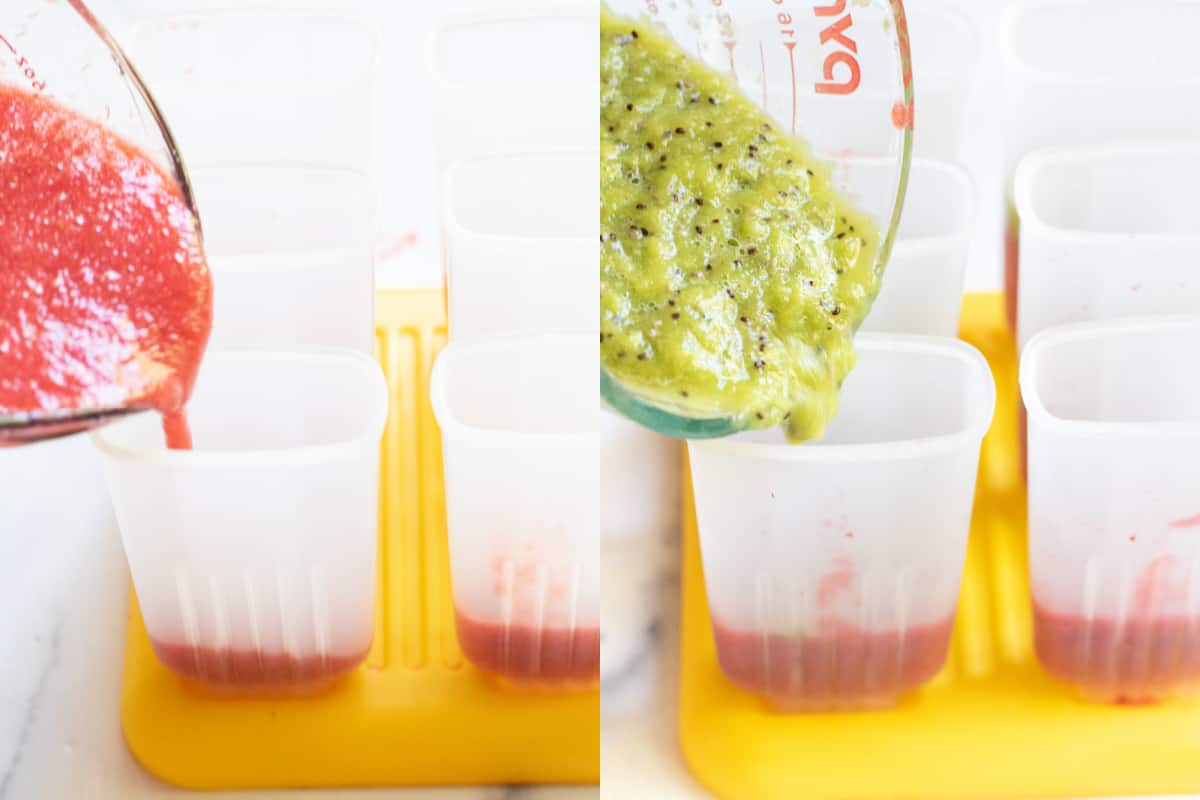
(62, 52)
(838, 75)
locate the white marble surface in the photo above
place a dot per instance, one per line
(63, 591)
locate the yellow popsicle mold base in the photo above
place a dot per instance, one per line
(992, 724)
(415, 713)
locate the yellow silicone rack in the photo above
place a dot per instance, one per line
(992, 724)
(415, 713)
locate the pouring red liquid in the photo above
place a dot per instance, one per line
(105, 296)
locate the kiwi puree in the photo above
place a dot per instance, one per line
(732, 274)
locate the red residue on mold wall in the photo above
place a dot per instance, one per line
(835, 583)
(1153, 584)
(1012, 266)
(1187, 522)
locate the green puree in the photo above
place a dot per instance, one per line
(732, 275)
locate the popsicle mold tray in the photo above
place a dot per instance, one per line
(415, 713)
(992, 724)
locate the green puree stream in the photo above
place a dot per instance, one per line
(732, 274)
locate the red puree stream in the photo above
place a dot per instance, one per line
(838, 667)
(531, 655)
(105, 296)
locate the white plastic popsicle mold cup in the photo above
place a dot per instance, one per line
(521, 236)
(514, 79)
(1114, 504)
(262, 85)
(1108, 232)
(833, 567)
(521, 448)
(1090, 72)
(253, 555)
(923, 285)
(291, 251)
(1094, 72)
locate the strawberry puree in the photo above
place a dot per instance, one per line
(1141, 660)
(251, 671)
(532, 655)
(837, 667)
(105, 297)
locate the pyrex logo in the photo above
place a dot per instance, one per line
(842, 59)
